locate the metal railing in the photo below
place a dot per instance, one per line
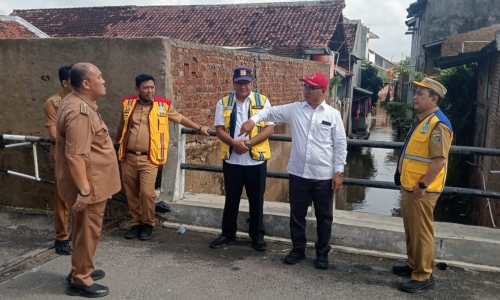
(456, 191)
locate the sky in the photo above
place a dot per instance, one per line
(385, 18)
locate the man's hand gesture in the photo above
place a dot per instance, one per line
(246, 128)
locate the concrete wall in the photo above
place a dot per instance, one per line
(193, 76)
(31, 78)
(488, 135)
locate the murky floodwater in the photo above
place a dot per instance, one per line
(376, 164)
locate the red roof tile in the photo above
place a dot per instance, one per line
(14, 30)
(307, 24)
(350, 35)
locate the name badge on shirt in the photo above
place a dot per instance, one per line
(257, 107)
(326, 123)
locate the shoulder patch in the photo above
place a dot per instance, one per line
(84, 109)
(56, 100)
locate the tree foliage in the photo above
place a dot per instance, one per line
(334, 81)
(371, 81)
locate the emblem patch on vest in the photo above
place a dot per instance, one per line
(425, 128)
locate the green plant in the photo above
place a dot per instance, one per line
(371, 81)
(398, 112)
(334, 82)
(458, 106)
(403, 68)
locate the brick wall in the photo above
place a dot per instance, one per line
(488, 134)
(201, 75)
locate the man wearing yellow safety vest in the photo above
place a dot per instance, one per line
(244, 159)
(421, 173)
(142, 141)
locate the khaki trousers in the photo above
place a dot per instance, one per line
(61, 210)
(418, 220)
(87, 226)
(139, 177)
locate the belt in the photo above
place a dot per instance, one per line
(138, 153)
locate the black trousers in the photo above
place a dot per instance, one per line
(253, 178)
(303, 190)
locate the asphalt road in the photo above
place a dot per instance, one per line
(182, 266)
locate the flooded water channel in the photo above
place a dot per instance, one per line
(376, 164)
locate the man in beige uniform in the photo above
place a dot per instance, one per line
(421, 173)
(146, 126)
(61, 213)
(87, 173)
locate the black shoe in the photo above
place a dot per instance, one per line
(259, 244)
(322, 262)
(133, 232)
(415, 286)
(96, 275)
(146, 232)
(62, 247)
(222, 241)
(93, 291)
(404, 271)
(294, 256)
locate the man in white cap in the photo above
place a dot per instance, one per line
(422, 174)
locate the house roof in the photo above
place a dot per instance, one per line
(286, 24)
(416, 8)
(446, 62)
(469, 41)
(16, 28)
(350, 35)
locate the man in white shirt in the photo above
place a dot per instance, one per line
(316, 165)
(244, 159)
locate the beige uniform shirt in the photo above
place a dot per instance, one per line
(137, 138)
(81, 130)
(50, 109)
(440, 141)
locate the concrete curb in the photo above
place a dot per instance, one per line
(378, 254)
(453, 242)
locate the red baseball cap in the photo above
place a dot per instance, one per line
(316, 79)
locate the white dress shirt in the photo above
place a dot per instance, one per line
(241, 117)
(319, 146)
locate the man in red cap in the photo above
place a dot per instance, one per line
(316, 165)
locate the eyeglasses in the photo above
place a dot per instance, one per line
(311, 87)
(242, 83)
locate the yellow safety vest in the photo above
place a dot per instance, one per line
(261, 151)
(416, 154)
(158, 128)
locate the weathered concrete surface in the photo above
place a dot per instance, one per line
(469, 244)
(32, 77)
(175, 266)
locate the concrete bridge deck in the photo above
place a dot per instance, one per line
(182, 266)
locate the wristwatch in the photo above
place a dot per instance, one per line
(248, 145)
(341, 174)
(199, 127)
(422, 185)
